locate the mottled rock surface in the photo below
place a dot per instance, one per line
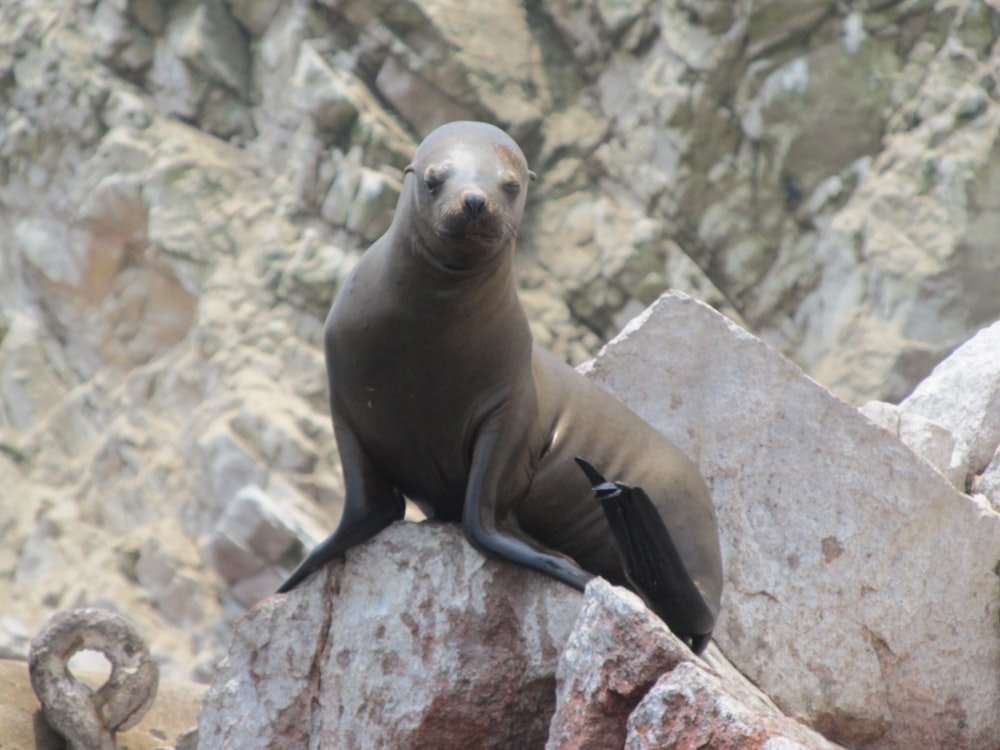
(624, 680)
(420, 641)
(889, 569)
(416, 641)
(616, 652)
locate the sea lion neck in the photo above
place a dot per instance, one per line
(422, 272)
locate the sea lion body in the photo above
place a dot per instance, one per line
(439, 394)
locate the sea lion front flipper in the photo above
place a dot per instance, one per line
(370, 504)
(652, 562)
(492, 527)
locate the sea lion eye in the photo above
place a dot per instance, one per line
(510, 183)
(434, 177)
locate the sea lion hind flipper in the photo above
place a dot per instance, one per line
(651, 559)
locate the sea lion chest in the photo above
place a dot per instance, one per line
(414, 371)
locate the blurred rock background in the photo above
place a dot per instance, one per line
(184, 184)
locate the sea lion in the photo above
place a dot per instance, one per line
(439, 394)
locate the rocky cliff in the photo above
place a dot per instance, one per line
(183, 185)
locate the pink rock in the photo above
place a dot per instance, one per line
(616, 652)
(690, 707)
(416, 641)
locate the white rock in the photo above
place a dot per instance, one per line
(988, 483)
(28, 386)
(963, 395)
(860, 586)
(941, 449)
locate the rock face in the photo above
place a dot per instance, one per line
(889, 570)
(183, 186)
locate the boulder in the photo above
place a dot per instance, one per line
(616, 652)
(416, 641)
(692, 707)
(963, 395)
(625, 680)
(944, 451)
(861, 591)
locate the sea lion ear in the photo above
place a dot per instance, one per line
(409, 169)
(532, 176)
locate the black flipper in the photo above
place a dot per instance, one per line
(652, 562)
(357, 525)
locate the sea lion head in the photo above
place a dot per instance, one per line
(465, 189)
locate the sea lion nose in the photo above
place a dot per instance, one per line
(474, 202)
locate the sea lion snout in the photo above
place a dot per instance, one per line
(473, 201)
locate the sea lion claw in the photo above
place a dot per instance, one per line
(601, 486)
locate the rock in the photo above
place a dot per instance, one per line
(624, 680)
(255, 15)
(416, 641)
(988, 483)
(250, 535)
(615, 653)
(826, 564)
(932, 442)
(691, 707)
(119, 40)
(28, 385)
(963, 395)
(419, 641)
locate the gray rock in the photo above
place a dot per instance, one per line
(988, 483)
(939, 447)
(251, 535)
(28, 386)
(963, 395)
(830, 559)
(255, 15)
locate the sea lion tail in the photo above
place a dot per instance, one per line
(651, 559)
